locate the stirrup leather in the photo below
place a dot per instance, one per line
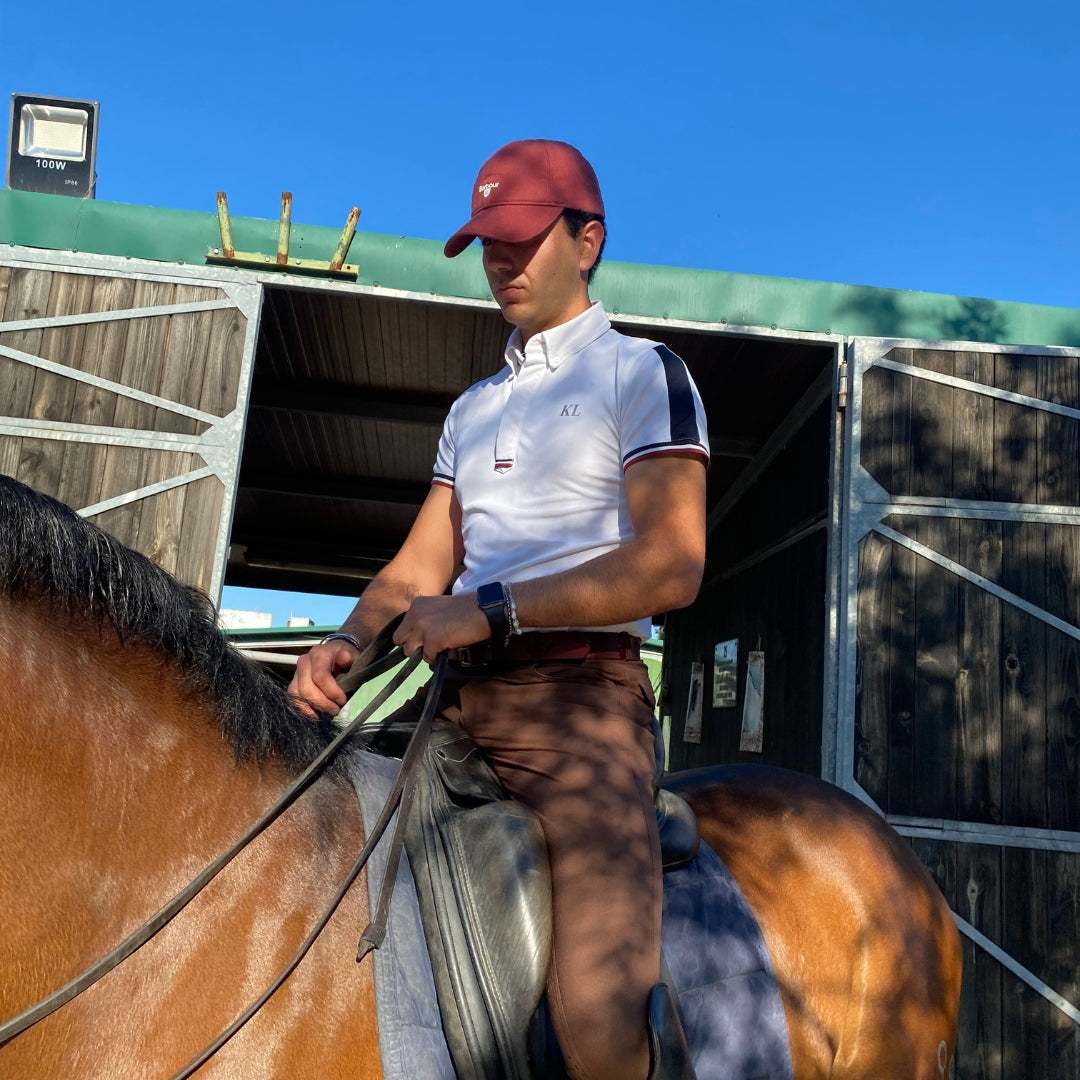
(669, 1056)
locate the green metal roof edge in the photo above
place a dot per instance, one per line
(60, 223)
(243, 633)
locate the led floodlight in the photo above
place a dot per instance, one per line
(52, 145)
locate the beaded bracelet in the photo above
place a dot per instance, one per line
(511, 609)
(342, 636)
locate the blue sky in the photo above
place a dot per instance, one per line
(929, 146)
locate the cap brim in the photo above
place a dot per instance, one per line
(512, 222)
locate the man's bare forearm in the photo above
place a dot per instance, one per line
(630, 583)
(383, 598)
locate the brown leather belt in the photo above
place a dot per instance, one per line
(552, 645)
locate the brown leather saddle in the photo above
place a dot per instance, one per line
(480, 865)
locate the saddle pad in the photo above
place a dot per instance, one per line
(411, 1040)
(723, 976)
(712, 945)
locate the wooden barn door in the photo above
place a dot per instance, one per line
(123, 392)
(959, 681)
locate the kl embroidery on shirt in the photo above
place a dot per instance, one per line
(571, 410)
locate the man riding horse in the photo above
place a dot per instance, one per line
(571, 488)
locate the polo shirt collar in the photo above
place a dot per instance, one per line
(560, 342)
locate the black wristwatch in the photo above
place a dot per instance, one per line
(491, 600)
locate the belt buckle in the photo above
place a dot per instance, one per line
(474, 655)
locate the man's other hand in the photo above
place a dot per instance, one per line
(435, 623)
(314, 686)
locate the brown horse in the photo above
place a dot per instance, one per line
(135, 746)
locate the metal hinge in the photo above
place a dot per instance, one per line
(842, 387)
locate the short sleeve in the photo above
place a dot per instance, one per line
(660, 408)
(443, 472)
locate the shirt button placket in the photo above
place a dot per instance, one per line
(522, 388)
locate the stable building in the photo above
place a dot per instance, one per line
(892, 595)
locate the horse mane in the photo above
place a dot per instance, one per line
(51, 555)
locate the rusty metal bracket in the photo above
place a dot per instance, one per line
(227, 254)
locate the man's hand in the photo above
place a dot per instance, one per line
(314, 686)
(434, 623)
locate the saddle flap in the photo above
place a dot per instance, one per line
(462, 768)
(484, 889)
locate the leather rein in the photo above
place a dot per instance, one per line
(367, 666)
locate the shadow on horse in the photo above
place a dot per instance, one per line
(136, 745)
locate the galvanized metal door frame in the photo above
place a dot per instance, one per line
(219, 446)
(867, 504)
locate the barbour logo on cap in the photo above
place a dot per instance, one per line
(488, 187)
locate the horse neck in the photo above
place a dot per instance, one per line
(117, 789)
(108, 737)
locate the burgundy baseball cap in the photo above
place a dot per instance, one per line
(522, 188)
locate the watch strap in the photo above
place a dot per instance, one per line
(491, 599)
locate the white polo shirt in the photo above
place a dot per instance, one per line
(536, 453)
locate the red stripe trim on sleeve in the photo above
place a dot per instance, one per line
(666, 452)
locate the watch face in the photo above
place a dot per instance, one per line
(490, 595)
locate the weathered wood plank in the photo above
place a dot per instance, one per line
(10, 452)
(981, 1054)
(53, 395)
(979, 763)
(225, 353)
(1063, 960)
(5, 284)
(162, 515)
(127, 468)
(27, 297)
(1015, 431)
(874, 666)
(979, 685)
(143, 361)
(203, 505)
(1062, 679)
(102, 354)
(902, 700)
(204, 501)
(973, 429)
(900, 427)
(932, 407)
(1059, 482)
(876, 450)
(936, 599)
(1024, 639)
(900, 627)
(141, 365)
(185, 362)
(1023, 572)
(883, 674)
(1024, 936)
(936, 673)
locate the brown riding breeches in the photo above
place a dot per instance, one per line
(572, 741)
